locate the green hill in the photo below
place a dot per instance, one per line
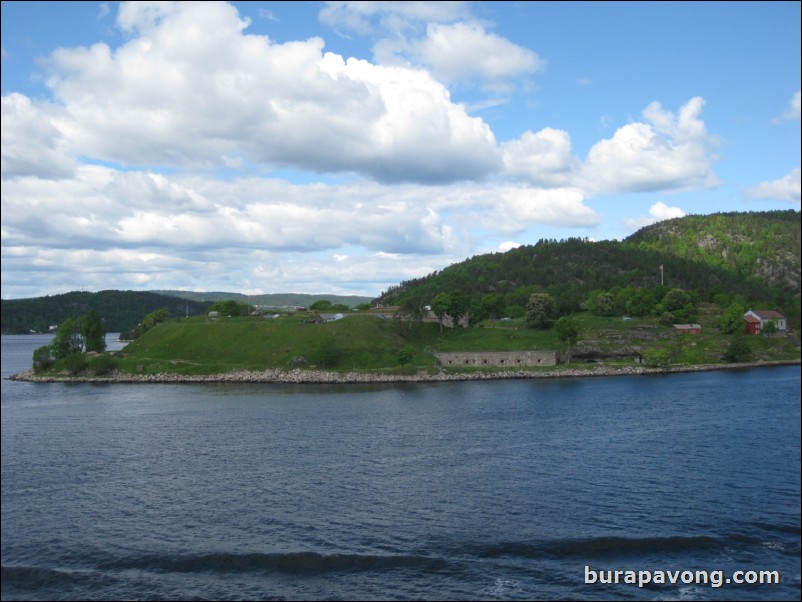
(123, 310)
(764, 245)
(206, 346)
(120, 310)
(754, 257)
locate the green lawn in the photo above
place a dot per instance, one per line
(367, 343)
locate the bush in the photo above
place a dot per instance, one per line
(75, 363)
(739, 349)
(657, 358)
(102, 364)
(42, 359)
(327, 354)
(667, 318)
(405, 354)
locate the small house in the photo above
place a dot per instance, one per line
(756, 320)
(688, 328)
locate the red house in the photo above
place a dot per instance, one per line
(752, 324)
(756, 319)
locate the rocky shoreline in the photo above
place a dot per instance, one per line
(298, 376)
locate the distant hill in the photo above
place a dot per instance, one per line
(123, 310)
(120, 310)
(753, 256)
(269, 300)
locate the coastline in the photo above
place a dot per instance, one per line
(298, 376)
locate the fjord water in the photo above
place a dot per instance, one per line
(475, 490)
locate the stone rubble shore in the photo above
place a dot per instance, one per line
(328, 377)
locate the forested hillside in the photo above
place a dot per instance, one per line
(120, 310)
(766, 245)
(750, 257)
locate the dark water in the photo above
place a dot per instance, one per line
(494, 491)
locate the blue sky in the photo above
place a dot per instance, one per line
(342, 147)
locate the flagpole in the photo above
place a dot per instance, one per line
(661, 274)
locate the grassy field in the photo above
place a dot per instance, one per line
(370, 344)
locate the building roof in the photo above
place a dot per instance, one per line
(751, 319)
(768, 314)
(688, 326)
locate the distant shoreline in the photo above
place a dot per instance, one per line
(328, 377)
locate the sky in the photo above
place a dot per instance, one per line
(344, 147)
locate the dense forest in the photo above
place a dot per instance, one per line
(752, 258)
(120, 310)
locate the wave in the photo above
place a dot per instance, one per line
(608, 546)
(789, 529)
(289, 562)
(21, 576)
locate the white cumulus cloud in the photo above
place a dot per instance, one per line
(191, 89)
(544, 158)
(32, 144)
(462, 52)
(787, 188)
(657, 212)
(663, 152)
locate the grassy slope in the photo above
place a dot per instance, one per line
(365, 343)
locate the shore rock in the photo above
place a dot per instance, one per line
(328, 377)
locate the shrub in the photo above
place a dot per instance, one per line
(405, 354)
(327, 354)
(657, 358)
(739, 349)
(42, 359)
(75, 363)
(102, 364)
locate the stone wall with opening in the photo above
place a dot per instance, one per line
(498, 359)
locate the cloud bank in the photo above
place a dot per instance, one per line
(117, 173)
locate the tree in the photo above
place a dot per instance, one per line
(153, 318)
(226, 308)
(458, 307)
(769, 328)
(42, 358)
(568, 332)
(441, 305)
(732, 320)
(320, 305)
(641, 304)
(540, 310)
(68, 339)
(602, 304)
(675, 299)
(492, 305)
(739, 349)
(93, 332)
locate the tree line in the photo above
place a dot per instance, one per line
(624, 277)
